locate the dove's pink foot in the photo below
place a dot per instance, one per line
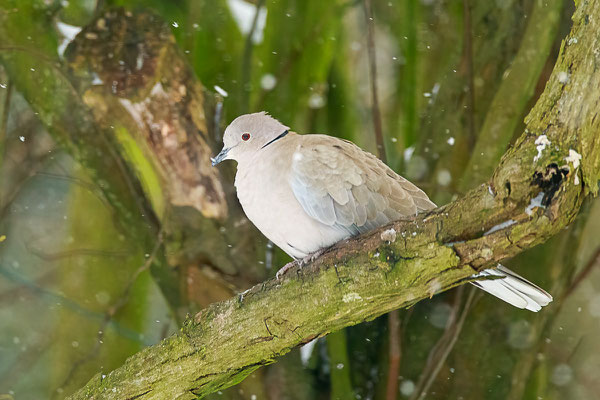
(300, 263)
(285, 268)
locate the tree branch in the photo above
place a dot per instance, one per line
(534, 193)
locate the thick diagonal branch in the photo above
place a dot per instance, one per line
(535, 192)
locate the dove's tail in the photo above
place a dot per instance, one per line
(513, 288)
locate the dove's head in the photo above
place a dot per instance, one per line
(247, 135)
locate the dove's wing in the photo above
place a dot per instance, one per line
(340, 185)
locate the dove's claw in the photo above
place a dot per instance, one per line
(241, 295)
(285, 268)
(300, 263)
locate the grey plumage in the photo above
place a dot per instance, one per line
(307, 192)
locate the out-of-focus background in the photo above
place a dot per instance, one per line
(113, 226)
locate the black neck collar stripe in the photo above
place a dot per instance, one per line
(277, 138)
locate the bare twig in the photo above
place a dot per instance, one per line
(129, 182)
(373, 77)
(26, 361)
(69, 304)
(468, 60)
(60, 255)
(114, 309)
(391, 392)
(33, 168)
(444, 346)
(4, 120)
(592, 262)
(19, 291)
(35, 171)
(393, 317)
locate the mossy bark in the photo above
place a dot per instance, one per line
(134, 79)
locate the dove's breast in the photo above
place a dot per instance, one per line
(264, 191)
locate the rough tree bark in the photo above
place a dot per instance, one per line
(140, 88)
(535, 192)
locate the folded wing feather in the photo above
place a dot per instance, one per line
(340, 185)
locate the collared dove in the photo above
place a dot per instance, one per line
(307, 192)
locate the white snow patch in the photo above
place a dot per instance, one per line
(389, 235)
(541, 142)
(134, 110)
(434, 287)
(408, 152)
(243, 13)
(563, 77)
(500, 226)
(432, 95)
(138, 110)
(349, 297)
(535, 202)
(221, 91)
(306, 351)
(157, 90)
(68, 33)
(139, 61)
(96, 79)
(574, 158)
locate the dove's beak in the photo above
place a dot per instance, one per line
(220, 157)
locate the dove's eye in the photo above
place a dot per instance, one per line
(245, 136)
